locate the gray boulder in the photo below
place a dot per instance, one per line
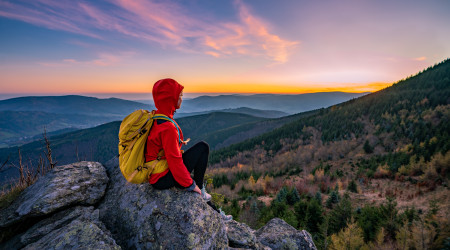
(140, 217)
(82, 183)
(278, 234)
(74, 228)
(241, 236)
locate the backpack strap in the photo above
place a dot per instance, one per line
(163, 117)
(152, 164)
(147, 166)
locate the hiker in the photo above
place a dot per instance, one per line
(167, 135)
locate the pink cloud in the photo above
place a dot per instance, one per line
(420, 58)
(252, 37)
(163, 22)
(212, 53)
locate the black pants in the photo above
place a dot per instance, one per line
(195, 159)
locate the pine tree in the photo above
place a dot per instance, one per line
(370, 221)
(367, 148)
(282, 194)
(332, 199)
(391, 219)
(340, 215)
(314, 216)
(318, 197)
(293, 196)
(352, 187)
(300, 209)
(234, 209)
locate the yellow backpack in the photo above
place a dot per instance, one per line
(133, 134)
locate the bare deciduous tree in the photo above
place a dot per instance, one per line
(48, 151)
(4, 164)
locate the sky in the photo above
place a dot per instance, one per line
(121, 47)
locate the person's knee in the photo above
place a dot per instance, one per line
(204, 146)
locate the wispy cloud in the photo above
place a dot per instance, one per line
(103, 59)
(420, 58)
(49, 14)
(162, 22)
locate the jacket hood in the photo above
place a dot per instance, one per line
(165, 95)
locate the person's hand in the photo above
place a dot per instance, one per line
(197, 189)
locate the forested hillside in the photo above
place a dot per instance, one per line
(378, 164)
(411, 109)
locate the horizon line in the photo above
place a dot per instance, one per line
(142, 95)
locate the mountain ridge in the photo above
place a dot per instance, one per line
(72, 104)
(290, 104)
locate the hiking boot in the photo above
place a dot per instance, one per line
(224, 216)
(205, 195)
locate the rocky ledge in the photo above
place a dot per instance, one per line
(79, 206)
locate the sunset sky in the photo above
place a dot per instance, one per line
(244, 46)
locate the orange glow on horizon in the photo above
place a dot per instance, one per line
(234, 88)
(285, 89)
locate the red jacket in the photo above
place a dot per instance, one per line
(165, 135)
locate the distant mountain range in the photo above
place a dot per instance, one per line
(24, 118)
(73, 104)
(291, 104)
(242, 110)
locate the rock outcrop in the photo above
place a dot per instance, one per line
(78, 206)
(241, 236)
(277, 234)
(73, 228)
(64, 187)
(142, 217)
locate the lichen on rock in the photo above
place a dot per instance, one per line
(52, 193)
(168, 219)
(84, 231)
(278, 234)
(241, 236)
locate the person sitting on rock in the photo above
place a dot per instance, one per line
(167, 135)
